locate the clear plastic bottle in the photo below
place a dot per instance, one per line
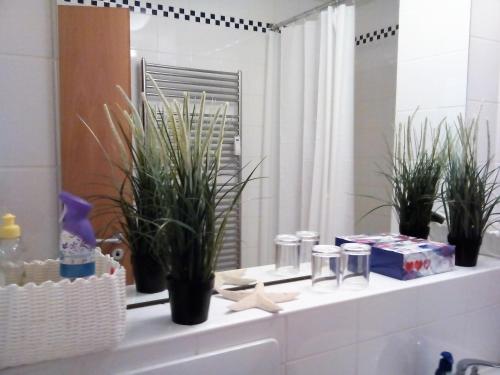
(10, 251)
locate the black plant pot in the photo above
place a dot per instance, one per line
(148, 273)
(466, 250)
(189, 300)
(419, 231)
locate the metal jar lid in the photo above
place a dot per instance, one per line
(326, 250)
(286, 239)
(356, 248)
(308, 235)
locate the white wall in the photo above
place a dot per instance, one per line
(28, 161)
(433, 52)
(375, 95)
(432, 58)
(483, 83)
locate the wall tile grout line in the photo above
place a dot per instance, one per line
(25, 55)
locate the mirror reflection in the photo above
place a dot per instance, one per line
(299, 100)
(308, 97)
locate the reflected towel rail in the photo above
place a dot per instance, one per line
(220, 87)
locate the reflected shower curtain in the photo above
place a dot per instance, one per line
(308, 130)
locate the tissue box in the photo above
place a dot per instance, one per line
(404, 257)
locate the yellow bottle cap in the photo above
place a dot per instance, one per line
(9, 228)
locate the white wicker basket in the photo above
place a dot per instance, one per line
(49, 318)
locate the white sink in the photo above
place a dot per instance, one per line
(489, 371)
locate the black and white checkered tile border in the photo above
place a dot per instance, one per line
(146, 7)
(384, 32)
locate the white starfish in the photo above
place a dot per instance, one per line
(232, 277)
(258, 298)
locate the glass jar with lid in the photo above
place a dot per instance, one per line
(287, 254)
(308, 239)
(326, 267)
(356, 265)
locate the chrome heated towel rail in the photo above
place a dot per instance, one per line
(220, 87)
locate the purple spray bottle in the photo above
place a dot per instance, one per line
(77, 238)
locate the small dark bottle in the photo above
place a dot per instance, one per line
(445, 364)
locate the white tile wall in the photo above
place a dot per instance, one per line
(483, 89)
(432, 306)
(339, 361)
(484, 23)
(431, 28)
(375, 91)
(477, 332)
(446, 334)
(389, 355)
(484, 72)
(432, 82)
(433, 115)
(30, 193)
(386, 313)
(487, 112)
(26, 28)
(28, 161)
(433, 54)
(27, 111)
(432, 60)
(321, 329)
(373, 15)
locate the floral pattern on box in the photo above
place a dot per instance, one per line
(404, 257)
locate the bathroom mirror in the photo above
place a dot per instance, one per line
(316, 101)
(317, 159)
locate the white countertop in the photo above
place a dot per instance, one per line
(152, 324)
(316, 329)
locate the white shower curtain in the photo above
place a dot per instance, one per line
(308, 129)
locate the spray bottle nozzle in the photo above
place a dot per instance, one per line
(75, 207)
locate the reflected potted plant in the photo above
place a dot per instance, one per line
(190, 238)
(136, 199)
(469, 192)
(415, 171)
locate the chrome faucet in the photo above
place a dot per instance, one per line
(464, 364)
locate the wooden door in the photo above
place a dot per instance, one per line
(94, 57)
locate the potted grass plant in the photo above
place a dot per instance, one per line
(469, 192)
(191, 236)
(415, 171)
(137, 203)
(169, 195)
